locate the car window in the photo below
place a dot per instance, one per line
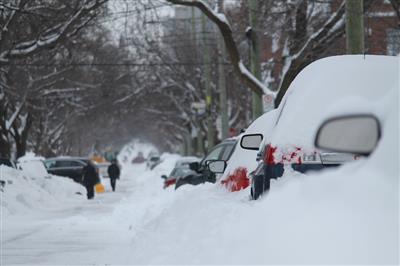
(49, 164)
(228, 151)
(214, 154)
(76, 164)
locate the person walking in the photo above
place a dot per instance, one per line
(90, 179)
(113, 173)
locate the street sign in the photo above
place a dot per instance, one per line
(268, 102)
(199, 107)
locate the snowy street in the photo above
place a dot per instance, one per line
(121, 227)
(141, 223)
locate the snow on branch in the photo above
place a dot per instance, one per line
(221, 21)
(332, 28)
(13, 118)
(53, 35)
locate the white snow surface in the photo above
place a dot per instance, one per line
(348, 215)
(333, 86)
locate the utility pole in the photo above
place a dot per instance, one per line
(207, 81)
(221, 81)
(257, 105)
(198, 144)
(354, 26)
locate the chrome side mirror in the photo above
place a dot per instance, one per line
(357, 134)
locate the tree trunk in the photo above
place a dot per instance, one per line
(257, 105)
(221, 82)
(354, 27)
(207, 83)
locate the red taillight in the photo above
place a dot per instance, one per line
(269, 154)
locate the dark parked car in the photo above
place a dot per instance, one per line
(180, 170)
(71, 167)
(153, 161)
(222, 151)
(7, 162)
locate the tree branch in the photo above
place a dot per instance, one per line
(224, 27)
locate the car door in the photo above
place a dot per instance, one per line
(76, 170)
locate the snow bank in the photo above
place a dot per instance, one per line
(32, 188)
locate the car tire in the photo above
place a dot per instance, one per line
(259, 185)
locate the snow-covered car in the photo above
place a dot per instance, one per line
(180, 170)
(202, 174)
(33, 166)
(242, 162)
(139, 158)
(334, 85)
(153, 161)
(71, 167)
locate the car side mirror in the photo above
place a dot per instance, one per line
(194, 166)
(357, 134)
(217, 167)
(164, 177)
(251, 141)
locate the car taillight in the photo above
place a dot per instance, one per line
(269, 154)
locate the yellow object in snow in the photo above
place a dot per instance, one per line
(98, 159)
(99, 188)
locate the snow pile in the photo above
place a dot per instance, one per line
(147, 198)
(32, 188)
(32, 165)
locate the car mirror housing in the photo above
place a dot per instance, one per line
(251, 141)
(357, 134)
(194, 166)
(217, 167)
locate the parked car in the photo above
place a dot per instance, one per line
(139, 158)
(8, 162)
(33, 167)
(71, 167)
(242, 161)
(324, 87)
(180, 170)
(153, 161)
(202, 174)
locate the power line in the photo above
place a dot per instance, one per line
(105, 64)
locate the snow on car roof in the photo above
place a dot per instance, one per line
(330, 84)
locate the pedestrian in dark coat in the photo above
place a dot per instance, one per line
(90, 179)
(113, 173)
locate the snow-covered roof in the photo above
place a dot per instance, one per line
(332, 86)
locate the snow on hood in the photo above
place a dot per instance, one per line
(349, 82)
